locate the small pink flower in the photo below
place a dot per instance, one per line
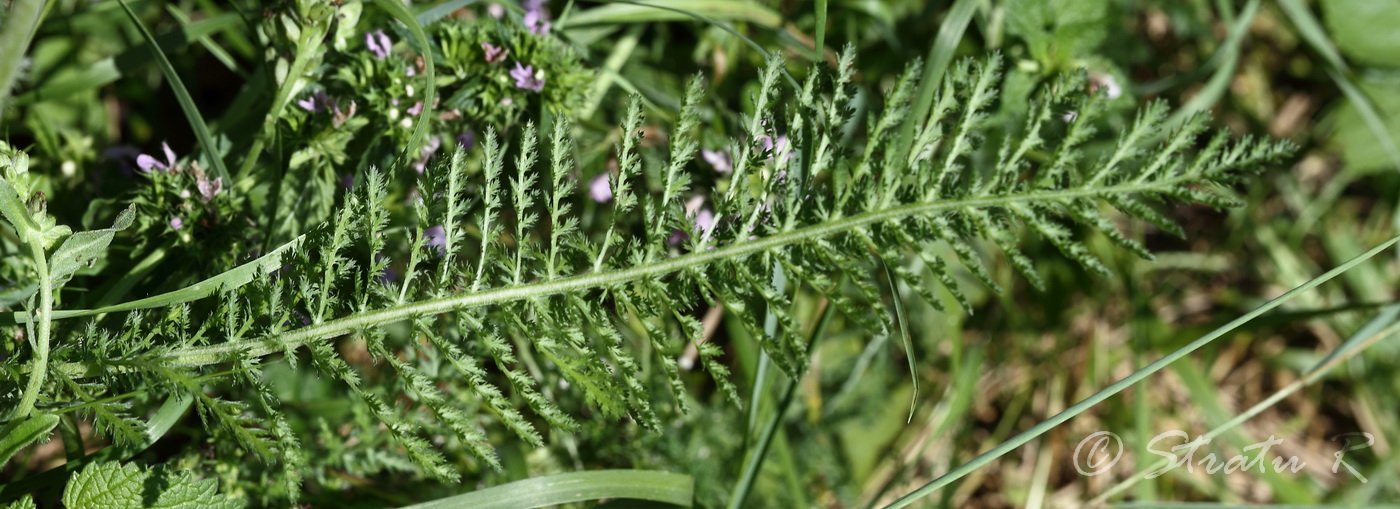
(494, 54)
(416, 108)
(378, 43)
(718, 159)
(435, 238)
(149, 164)
(705, 223)
(782, 148)
(209, 188)
(599, 189)
(537, 21)
(176, 223)
(526, 77)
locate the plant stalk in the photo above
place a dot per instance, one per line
(39, 369)
(213, 354)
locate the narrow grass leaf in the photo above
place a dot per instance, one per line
(1312, 32)
(400, 12)
(551, 490)
(1137, 376)
(201, 131)
(678, 10)
(228, 280)
(17, 28)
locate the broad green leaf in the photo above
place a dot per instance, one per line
(1365, 29)
(23, 503)
(116, 486)
(82, 249)
(18, 434)
(551, 490)
(12, 207)
(1362, 150)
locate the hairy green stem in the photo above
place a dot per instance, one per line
(279, 101)
(40, 366)
(213, 354)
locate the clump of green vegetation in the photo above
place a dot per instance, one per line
(726, 253)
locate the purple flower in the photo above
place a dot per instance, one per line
(148, 163)
(436, 238)
(533, 5)
(416, 108)
(494, 54)
(526, 77)
(705, 223)
(317, 102)
(378, 43)
(537, 20)
(719, 159)
(176, 223)
(782, 150)
(676, 238)
(208, 188)
(599, 190)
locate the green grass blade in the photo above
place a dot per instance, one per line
(1137, 376)
(1382, 326)
(908, 343)
(671, 7)
(201, 131)
(400, 12)
(430, 15)
(17, 28)
(621, 53)
(1312, 32)
(820, 44)
(233, 278)
(1223, 505)
(550, 490)
(1228, 59)
(677, 10)
(760, 449)
(950, 33)
(212, 47)
(754, 461)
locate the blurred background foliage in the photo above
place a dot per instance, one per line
(92, 98)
